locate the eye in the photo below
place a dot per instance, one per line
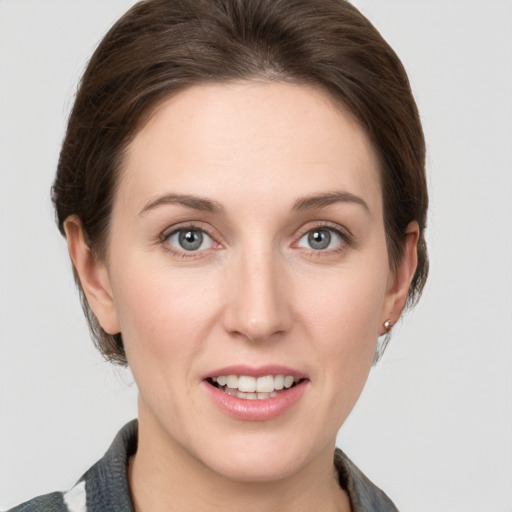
(190, 240)
(320, 239)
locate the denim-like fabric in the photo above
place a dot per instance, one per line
(106, 483)
(364, 496)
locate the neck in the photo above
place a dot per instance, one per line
(163, 476)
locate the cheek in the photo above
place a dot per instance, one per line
(348, 308)
(165, 318)
(343, 318)
(163, 313)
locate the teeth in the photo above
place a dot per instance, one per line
(265, 384)
(250, 396)
(288, 381)
(246, 384)
(231, 381)
(253, 388)
(279, 382)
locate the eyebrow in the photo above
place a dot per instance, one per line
(194, 202)
(326, 199)
(302, 204)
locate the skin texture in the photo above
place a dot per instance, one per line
(255, 293)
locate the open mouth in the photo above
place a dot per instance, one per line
(254, 388)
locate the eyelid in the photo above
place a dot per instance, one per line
(343, 232)
(205, 239)
(310, 226)
(184, 226)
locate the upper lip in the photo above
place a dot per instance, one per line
(256, 371)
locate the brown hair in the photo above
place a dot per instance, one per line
(160, 47)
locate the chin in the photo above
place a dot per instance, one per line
(257, 469)
(260, 458)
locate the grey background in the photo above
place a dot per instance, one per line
(434, 425)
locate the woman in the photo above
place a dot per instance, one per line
(242, 190)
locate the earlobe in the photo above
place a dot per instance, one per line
(401, 278)
(93, 275)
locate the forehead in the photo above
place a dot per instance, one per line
(258, 138)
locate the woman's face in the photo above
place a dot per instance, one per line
(247, 241)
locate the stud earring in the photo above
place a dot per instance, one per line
(387, 325)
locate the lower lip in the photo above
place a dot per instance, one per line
(256, 410)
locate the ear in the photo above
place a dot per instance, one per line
(400, 278)
(93, 275)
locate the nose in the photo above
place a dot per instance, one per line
(258, 306)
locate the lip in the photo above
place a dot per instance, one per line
(255, 371)
(256, 410)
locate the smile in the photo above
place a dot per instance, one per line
(252, 393)
(253, 388)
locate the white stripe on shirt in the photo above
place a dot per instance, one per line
(75, 498)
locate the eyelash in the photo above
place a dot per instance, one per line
(183, 253)
(344, 236)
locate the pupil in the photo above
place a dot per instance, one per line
(319, 239)
(191, 240)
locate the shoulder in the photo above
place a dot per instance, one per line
(53, 502)
(103, 488)
(71, 501)
(364, 495)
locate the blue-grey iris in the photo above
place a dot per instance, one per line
(319, 239)
(191, 240)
